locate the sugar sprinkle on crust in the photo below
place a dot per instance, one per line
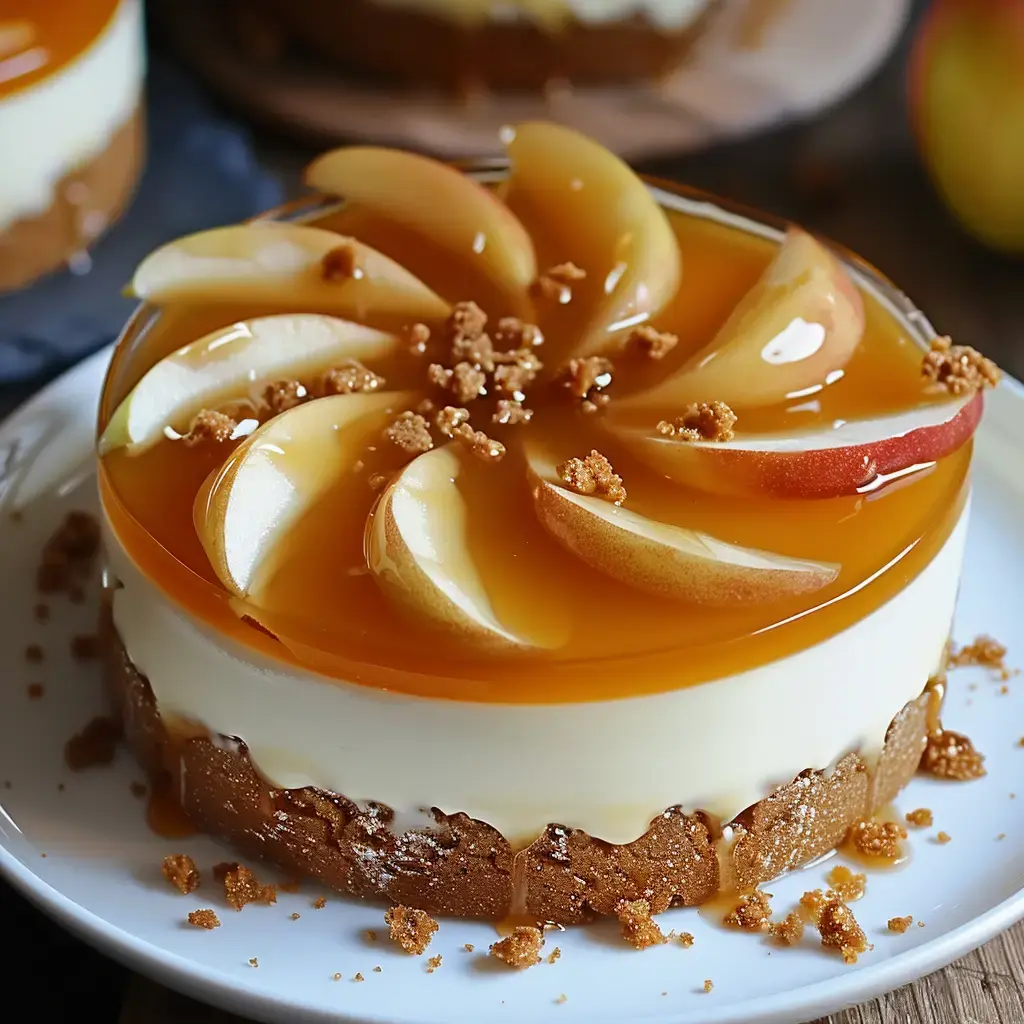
(520, 949)
(951, 755)
(411, 929)
(180, 870)
(639, 929)
(701, 421)
(959, 369)
(593, 475)
(206, 919)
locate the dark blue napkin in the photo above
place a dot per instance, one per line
(200, 172)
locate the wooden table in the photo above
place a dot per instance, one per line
(853, 176)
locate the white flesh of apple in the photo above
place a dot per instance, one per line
(275, 263)
(417, 551)
(228, 363)
(276, 475)
(668, 560)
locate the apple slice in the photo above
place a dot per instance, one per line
(228, 363)
(417, 549)
(434, 201)
(284, 265)
(820, 463)
(598, 214)
(276, 475)
(797, 326)
(664, 559)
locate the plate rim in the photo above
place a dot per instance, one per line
(221, 990)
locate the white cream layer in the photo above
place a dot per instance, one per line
(607, 767)
(668, 15)
(68, 119)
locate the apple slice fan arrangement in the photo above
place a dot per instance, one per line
(467, 469)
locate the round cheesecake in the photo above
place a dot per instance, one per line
(384, 641)
(511, 44)
(70, 94)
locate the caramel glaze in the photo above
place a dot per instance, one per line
(622, 642)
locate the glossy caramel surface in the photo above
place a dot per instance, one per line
(327, 613)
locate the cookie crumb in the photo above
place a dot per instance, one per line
(241, 887)
(410, 433)
(639, 929)
(510, 412)
(942, 838)
(790, 930)
(294, 917)
(351, 378)
(370, 935)
(95, 745)
(253, 962)
(483, 447)
(469, 947)
(984, 651)
(207, 919)
(959, 369)
(556, 282)
(449, 419)
(67, 555)
(180, 870)
(513, 333)
(282, 395)
(752, 912)
(553, 955)
(813, 901)
(464, 380)
(685, 940)
(839, 930)
(378, 969)
(411, 929)
(35, 691)
(516, 371)
(702, 421)
(900, 924)
(586, 378)
(84, 646)
(209, 425)
(319, 903)
(593, 475)
(433, 963)
(652, 343)
(521, 949)
(951, 755)
(873, 838)
(920, 818)
(341, 264)
(708, 984)
(847, 884)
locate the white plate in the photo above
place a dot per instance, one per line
(85, 856)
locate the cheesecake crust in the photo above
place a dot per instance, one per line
(86, 201)
(463, 867)
(420, 49)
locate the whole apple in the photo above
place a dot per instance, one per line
(966, 81)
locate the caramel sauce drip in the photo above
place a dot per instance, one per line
(165, 816)
(330, 616)
(39, 37)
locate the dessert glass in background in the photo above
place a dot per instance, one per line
(71, 128)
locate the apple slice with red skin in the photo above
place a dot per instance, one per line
(664, 559)
(823, 463)
(800, 323)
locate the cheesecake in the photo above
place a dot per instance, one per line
(499, 44)
(70, 115)
(528, 542)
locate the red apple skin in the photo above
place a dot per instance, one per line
(966, 96)
(814, 473)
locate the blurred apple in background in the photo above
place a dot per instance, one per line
(967, 106)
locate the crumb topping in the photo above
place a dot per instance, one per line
(921, 817)
(67, 556)
(242, 887)
(556, 282)
(341, 264)
(702, 421)
(521, 949)
(449, 419)
(180, 870)
(652, 343)
(350, 378)
(411, 929)
(419, 336)
(900, 924)
(639, 929)
(554, 955)
(951, 755)
(282, 395)
(685, 940)
(839, 930)
(207, 919)
(95, 745)
(513, 333)
(752, 912)
(959, 369)
(984, 651)
(209, 425)
(586, 379)
(847, 884)
(409, 431)
(508, 412)
(465, 381)
(593, 475)
(877, 838)
(790, 930)
(483, 447)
